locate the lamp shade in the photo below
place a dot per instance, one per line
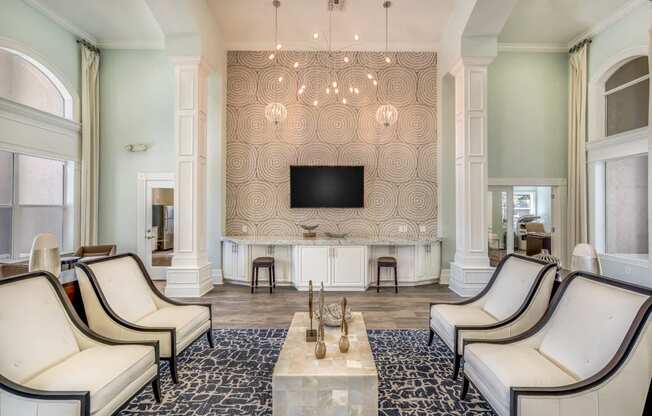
(276, 112)
(387, 115)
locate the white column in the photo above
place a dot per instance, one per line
(189, 275)
(470, 270)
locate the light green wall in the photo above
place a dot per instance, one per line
(54, 46)
(527, 115)
(137, 106)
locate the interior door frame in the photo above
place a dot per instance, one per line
(509, 243)
(145, 182)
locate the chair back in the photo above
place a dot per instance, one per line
(45, 254)
(37, 332)
(93, 251)
(590, 318)
(516, 276)
(122, 284)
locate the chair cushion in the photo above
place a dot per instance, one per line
(496, 368)
(511, 287)
(36, 331)
(589, 325)
(444, 319)
(104, 371)
(185, 319)
(125, 288)
(264, 260)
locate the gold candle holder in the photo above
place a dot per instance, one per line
(344, 343)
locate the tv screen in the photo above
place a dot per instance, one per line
(326, 186)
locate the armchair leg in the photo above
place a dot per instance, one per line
(156, 388)
(431, 337)
(209, 335)
(173, 370)
(465, 388)
(456, 366)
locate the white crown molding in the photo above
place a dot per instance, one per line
(493, 181)
(309, 45)
(607, 22)
(60, 20)
(533, 47)
(132, 44)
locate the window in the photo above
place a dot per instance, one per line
(32, 201)
(524, 204)
(25, 81)
(627, 97)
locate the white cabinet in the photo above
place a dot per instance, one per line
(234, 262)
(335, 266)
(428, 258)
(282, 262)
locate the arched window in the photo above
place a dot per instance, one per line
(627, 97)
(26, 81)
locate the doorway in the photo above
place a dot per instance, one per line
(156, 223)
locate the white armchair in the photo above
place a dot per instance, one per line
(590, 355)
(51, 364)
(121, 302)
(515, 298)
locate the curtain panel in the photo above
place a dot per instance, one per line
(90, 118)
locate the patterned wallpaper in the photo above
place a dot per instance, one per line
(400, 161)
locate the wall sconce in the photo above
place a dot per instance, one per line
(134, 148)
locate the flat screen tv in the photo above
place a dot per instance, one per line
(326, 186)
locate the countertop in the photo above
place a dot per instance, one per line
(325, 241)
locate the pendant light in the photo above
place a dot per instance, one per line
(276, 112)
(387, 114)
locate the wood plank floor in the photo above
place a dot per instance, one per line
(235, 307)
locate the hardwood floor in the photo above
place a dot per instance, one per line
(235, 307)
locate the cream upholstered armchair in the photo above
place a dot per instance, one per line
(515, 298)
(590, 355)
(121, 302)
(51, 364)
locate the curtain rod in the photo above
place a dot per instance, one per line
(580, 44)
(88, 45)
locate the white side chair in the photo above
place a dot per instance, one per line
(590, 355)
(51, 364)
(45, 254)
(121, 302)
(515, 298)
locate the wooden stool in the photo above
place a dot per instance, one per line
(389, 262)
(265, 263)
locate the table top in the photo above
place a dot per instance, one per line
(325, 241)
(297, 358)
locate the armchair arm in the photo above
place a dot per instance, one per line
(42, 403)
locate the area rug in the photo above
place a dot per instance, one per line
(235, 378)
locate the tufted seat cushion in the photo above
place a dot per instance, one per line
(105, 371)
(499, 367)
(444, 319)
(186, 320)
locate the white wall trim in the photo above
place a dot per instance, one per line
(309, 45)
(604, 24)
(527, 181)
(533, 47)
(132, 44)
(60, 20)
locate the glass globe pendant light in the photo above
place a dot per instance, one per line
(276, 112)
(386, 114)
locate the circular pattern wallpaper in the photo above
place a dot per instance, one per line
(400, 161)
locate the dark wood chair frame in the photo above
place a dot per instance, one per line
(619, 358)
(388, 265)
(254, 274)
(170, 330)
(83, 397)
(528, 300)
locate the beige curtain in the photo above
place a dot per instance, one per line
(90, 118)
(577, 193)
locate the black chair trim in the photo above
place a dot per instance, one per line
(617, 361)
(84, 397)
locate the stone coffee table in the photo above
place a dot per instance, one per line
(337, 385)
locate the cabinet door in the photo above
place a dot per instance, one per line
(349, 266)
(283, 263)
(240, 263)
(313, 264)
(227, 260)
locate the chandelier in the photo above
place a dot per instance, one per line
(276, 112)
(387, 114)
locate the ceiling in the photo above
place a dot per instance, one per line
(109, 23)
(556, 21)
(414, 24)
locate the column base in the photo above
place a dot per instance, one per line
(469, 281)
(188, 282)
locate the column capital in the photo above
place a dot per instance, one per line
(191, 61)
(466, 61)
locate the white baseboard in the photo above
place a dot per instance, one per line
(445, 276)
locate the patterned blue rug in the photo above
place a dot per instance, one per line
(235, 377)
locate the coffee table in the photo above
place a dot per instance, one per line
(339, 384)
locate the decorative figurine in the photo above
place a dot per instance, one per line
(320, 346)
(344, 339)
(311, 334)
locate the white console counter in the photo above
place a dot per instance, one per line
(341, 264)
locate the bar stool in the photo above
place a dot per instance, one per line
(388, 262)
(264, 263)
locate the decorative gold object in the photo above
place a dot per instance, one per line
(320, 346)
(344, 339)
(311, 334)
(309, 230)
